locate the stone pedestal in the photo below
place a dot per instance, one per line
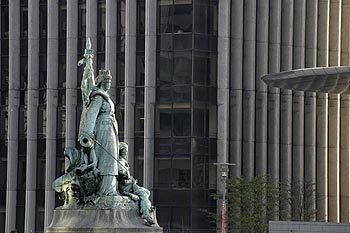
(122, 216)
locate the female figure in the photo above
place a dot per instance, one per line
(99, 132)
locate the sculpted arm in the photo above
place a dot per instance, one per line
(90, 121)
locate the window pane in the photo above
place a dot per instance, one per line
(163, 145)
(139, 120)
(162, 174)
(200, 124)
(206, 19)
(140, 26)
(182, 94)
(181, 145)
(181, 171)
(140, 69)
(165, 18)
(165, 68)
(182, 17)
(182, 122)
(163, 121)
(205, 42)
(165, 42)
(182, 67)
(164, 94)
(183, 41)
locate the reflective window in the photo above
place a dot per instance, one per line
(139, 120)
(24, 21)
(173, 120)
(182, 122)
(182, 16)
(4, 21)
(174, 16)
(43, 20)
(204, 68)
(182, 67)
(140, 69)
(172, 171)
(205, 17)
(165, 67)
(140, 26)
(101, 30)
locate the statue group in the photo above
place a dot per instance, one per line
(98, 175)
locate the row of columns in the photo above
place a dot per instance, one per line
(309, 34)
(52, 92)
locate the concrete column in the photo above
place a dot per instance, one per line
(310, 110)
(286, 100)
(32, 114)
(223, 87)
(262, 38)
(13, 112)
(344, 119)
(322, 114)
(111, 46)
(150, 91)
(298, 103)
(72, 73)
(249, 87)
(274, 93)
(236, 88)
(130, 78)
(51, 107)
(344, 159)
(334, 115)
(91, 27)
(333, 158)
(273, 104)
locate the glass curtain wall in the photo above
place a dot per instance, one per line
(185, 147)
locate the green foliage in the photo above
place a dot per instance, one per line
(253, 202)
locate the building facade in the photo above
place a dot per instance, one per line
(188, 91)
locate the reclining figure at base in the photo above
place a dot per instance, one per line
(128, 186)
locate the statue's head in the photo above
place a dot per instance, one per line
(104, 80)
(123, 150)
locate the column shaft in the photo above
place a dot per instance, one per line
(249, 87)
(274, 93)
(13, 112)
(236, 88)
(322, 114)
(298, 104)
(344, 119)
(72, 73)
(130, 78)
(150, 91)
(111, 45)
(286, 100)
(344, 159)
(334, 115)
(310, 111)
(262, 37)
(32, 114)
(51, 108)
